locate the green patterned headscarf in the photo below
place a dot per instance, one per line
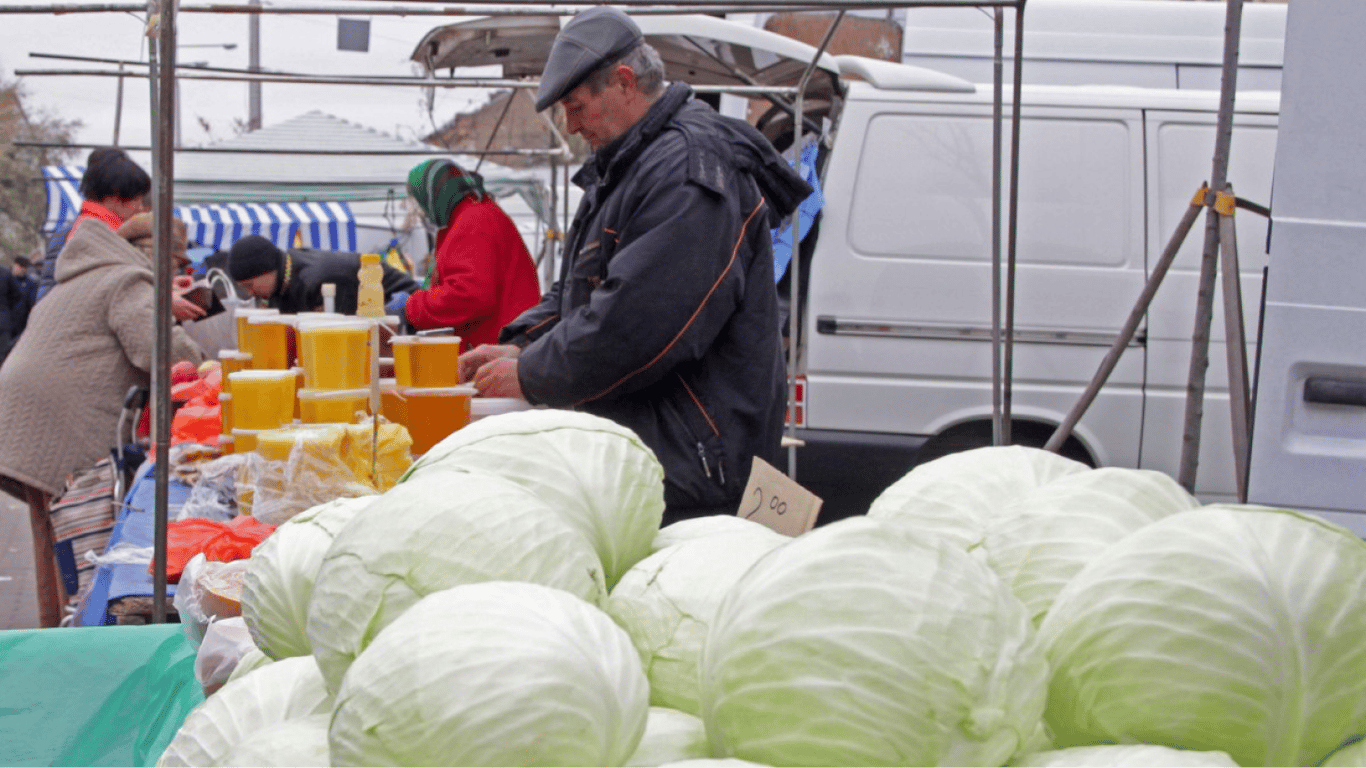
(439, 185)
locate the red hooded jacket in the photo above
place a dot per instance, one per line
(484, 276)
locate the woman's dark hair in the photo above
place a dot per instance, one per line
(110, 172)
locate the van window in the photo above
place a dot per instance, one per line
(923, 190)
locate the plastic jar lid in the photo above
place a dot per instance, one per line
(272, 319)
(341, 322)
(271, 374)
(333, 394)
(463, 390)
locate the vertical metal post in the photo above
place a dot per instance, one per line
(1008, 355)
(998, 435)
(254, 65)
(1239, 391)
(163, 173)
(118, 106)
(794, 265)
(1204, 309)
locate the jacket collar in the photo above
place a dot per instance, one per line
(623, 150)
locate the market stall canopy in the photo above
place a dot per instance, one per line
(696, 49)
(317, 157)
(322, 225)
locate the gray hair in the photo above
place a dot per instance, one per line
(644, 60)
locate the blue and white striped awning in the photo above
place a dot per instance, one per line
(326, 226)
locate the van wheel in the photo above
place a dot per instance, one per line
(978, 434)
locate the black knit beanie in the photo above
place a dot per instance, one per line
(253, 256)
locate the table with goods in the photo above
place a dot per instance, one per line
(509, 597)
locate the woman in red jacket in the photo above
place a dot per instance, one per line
(484, 276)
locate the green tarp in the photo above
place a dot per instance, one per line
(93, 695)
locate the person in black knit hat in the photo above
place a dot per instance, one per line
(292, 281)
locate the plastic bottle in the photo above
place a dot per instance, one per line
(370, 297)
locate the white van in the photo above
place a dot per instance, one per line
(897, 326)
(895, 345)
(1148, 43)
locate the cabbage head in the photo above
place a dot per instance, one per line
(243, 708)
(866, 643)
(299, 742)
(707, 525)
(494, 673)
(713, 763)
(1044, 538)
(280, 573)
(1349, 755)
(670, 736)
(959, 495)
(1123, 756)
(430, 533)
(666, 601)
(597, 473)
(1231, 628)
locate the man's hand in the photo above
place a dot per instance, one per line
(473, 360)
(498, 378)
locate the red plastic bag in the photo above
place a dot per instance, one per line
(197, 422)
(219, 541)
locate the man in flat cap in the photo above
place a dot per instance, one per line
(664, 318)
(292, 281)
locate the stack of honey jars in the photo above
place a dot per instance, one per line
(426, 377)
(259, 377)
(334, 353)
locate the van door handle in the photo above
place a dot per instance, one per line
(1321, 389)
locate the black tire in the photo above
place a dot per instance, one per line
(978, 434)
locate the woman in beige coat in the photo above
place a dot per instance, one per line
(87, 343)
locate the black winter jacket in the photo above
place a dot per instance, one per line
(664, 318)
(308, 270)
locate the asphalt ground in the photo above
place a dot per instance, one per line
(18, 601)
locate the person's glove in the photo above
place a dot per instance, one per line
(396, 304)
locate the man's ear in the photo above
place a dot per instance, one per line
(626, 76)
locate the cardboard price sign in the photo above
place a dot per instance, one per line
(777, 501)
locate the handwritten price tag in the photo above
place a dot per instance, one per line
(777, 501)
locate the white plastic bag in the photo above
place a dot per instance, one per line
(225, 643)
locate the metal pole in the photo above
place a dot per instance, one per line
(998, 435)
(254, 65)
(1204, 310)
(118, 107)
(1239, 391)
(163, 173)
(1012, 223)
(794, 265)
(1126, 333)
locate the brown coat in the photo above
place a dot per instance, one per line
(87, 342)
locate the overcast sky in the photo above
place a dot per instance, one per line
(298, 43)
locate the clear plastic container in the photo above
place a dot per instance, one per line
(332, 406)
(269, 340)
(232, 361)
(243, 315)
(225, 411)
(432, 413)
(426, 361)
(335, 354)
(263, 399)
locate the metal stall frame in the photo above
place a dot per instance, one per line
(163, 72)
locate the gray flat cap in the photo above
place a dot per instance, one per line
(590, 39)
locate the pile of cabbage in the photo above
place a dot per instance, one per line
(515, 602)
